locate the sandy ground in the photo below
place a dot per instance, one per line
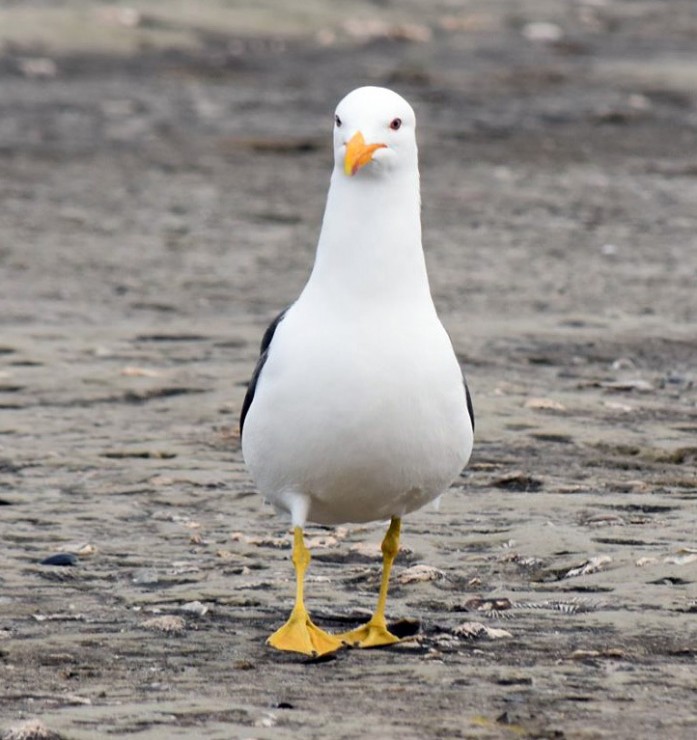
(162, 179)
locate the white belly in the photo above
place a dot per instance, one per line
(356, 422)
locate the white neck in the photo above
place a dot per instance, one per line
(369, 249)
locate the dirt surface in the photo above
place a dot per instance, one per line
(161, 198)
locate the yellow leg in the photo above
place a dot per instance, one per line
(299, 634)
(375, 632)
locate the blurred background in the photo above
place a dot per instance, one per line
(192, 139)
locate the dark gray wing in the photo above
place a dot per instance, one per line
(470, 407)
(263, 354)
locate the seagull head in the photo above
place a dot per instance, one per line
(374, 133)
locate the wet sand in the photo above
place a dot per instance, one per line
(161, 203)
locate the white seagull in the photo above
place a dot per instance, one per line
(357, 410)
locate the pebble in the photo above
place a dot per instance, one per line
(61, 558)
(145, 577)
(603, 520)
(42, 67)
(477, 631)
(623, 363)
(542, 31)
(590, 566)
(681, 559)
(194, 607)
(622, 408)
(32, 729)
(544, 404)
(314, 543)
(370, 30)
(637, 384)
(167, 623)
(131, 371)
(243, 665)
(590, 654)
(280, 543)
(268, 720)
(418, 573)
(479, 604)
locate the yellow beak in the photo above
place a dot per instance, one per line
(358, 153)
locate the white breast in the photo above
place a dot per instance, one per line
(360, 417)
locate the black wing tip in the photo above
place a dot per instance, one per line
(263, 355)
(251, 388)
(271, 330)
(470, 407)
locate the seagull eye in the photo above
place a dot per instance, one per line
(337, 121)
(396, 124)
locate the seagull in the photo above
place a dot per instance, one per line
(357, 409)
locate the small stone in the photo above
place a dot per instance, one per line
(681, 559)
(32, 729)
(593, 565)
(591, 654)
(544, 404)
(479, 604)
(494, 633)
(542, 32)
(145, 577)
(280, 543)
(139, 372)
(622, 408)
(167, 623)
(623, 363)
(195, 607)
(321, 542)
(603, 520)
(420, 573)
(637, 101)
(517, 480)
(478, 631)
(636, 384)
(584, 654)
(60, 617)
(414, 32)
(61, 558)
(269, 720)
(466, 23)
(37, 67)
(243, 665)
(369, 30)
(161, 480)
